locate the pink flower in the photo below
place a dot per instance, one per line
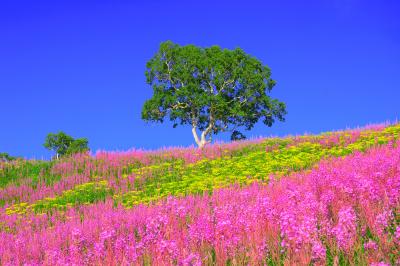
(106, 234)
(370, 245)
(382, 221)
(345, 230)
(193, 259)
(76, 232)
(379, 264)
(99, 249)
(318, 251)
(397, 235)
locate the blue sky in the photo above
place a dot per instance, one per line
(78, 66)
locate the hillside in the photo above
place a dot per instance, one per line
(332, 198)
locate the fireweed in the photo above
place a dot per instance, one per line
(345, 210)
(138, 177)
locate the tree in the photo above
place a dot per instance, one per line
(237, 135)
(63, 144)
(5, 157)
(211, 89)
(78, 146)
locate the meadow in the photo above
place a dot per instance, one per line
(328, 199)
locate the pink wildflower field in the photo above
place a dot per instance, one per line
(342, 211)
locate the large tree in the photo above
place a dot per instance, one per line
(63, 144)
(211, 89)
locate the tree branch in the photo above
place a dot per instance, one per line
(179, 105)
(208, 129)
(169, 77)
(224, 84)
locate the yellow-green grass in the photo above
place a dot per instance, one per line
(80, 195)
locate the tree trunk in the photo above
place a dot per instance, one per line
(202, 141)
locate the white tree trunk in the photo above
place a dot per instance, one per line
(203, 140)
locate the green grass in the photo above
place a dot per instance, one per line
(16, 171)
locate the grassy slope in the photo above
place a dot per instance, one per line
(134, 181)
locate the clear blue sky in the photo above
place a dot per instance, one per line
(78, 66)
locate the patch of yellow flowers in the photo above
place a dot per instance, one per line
(82, 194)
(206, 175)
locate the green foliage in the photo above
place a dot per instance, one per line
(58, 142)
(36, 171)
(236, 135)
(63, 144)
(211, 89)
(78, 146)
(5, 157)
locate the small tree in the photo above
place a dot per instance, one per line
(211, 89)
(63, 144)
(5, 157)
(236, 135)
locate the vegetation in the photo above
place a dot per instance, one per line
(63, 144)
(5, 157)
(211, 89)
(82, 194)
(307, 200)
(289, 155)
(133, 183)
(20, 171)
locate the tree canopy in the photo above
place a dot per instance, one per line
(63, 144)
(211, 89)
(78, 145)
(5, 157)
